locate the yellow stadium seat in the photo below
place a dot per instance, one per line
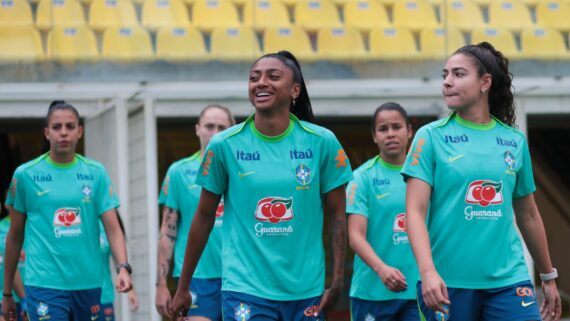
(15, 13)
(64, 13)
(439, 43)
(462, 14)
(20, 44)
(70, 44)
(127, 44)
(293, 39)
(104, 14)
(158, 14)
(262, 14)
(241, 3)
(543, 43)
(291, 3)
(393, 44)
(340, 44)
(234, 44)
(180, 44)
(509, 14)
(365, 15)
(553, 14)
(316, 14)
(501, 38)
(414, 15)
(210, 14)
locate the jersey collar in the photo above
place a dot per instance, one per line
(60, 165)
(378, 160)
(465, 123)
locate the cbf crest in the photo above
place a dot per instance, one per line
(510, 161)
(86, 191)
(303, 175)
(242, 312)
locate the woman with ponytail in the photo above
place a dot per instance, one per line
(469, 180)
(276, 172)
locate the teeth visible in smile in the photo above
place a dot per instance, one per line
(262, 94)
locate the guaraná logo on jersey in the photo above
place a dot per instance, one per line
(67, 222)
(400, 233)
(242, 312)
(303, 174)
(484, 193)
(274, 209)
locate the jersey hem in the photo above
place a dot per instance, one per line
(487, 285)
(58, 287)
(367, 298)
(256, 293)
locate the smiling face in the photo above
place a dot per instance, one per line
(463, 87)
(391, 133)
(271, 85)
(63, 132)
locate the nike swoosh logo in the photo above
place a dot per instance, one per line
(245, 174)
(381, 196)
(526, 304)
(453, 159)
(41, 193)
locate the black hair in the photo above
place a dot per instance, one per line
(60, 105)
(390, 106)
(301, 106)
(53, 106)
(225, 109)
(491, 61)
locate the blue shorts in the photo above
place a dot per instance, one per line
(61, 305)
(206, 298)
(388, 310)
(107, 312)
(515, 302)
(244, 307)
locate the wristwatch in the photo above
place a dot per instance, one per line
(549, 276)
(127, 267)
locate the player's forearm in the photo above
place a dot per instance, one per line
(165, 248)
(533, 232)
(19, 285)
(360, 245)
(11, 257)
(416, 212)
(336, 202)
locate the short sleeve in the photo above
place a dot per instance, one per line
(525, 180)
(335, 167)
(420, 162)
(165, 187)
(106, 196)
(173, 198)
(16, 197)
(357, 195)
(213, 174)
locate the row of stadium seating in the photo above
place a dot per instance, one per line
(261, 14)
(135, 44)
(292, 3)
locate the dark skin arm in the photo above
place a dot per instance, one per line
(335, 201)
(200, 229)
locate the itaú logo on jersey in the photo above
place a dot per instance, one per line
(274, 209)
(484, 193)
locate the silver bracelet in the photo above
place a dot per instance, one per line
(549, 276)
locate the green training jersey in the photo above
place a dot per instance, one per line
(107, 287)
(378, 193)
(4, 228)
(273, 192)
(180, 192)
(475, 172)
(63, 204)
